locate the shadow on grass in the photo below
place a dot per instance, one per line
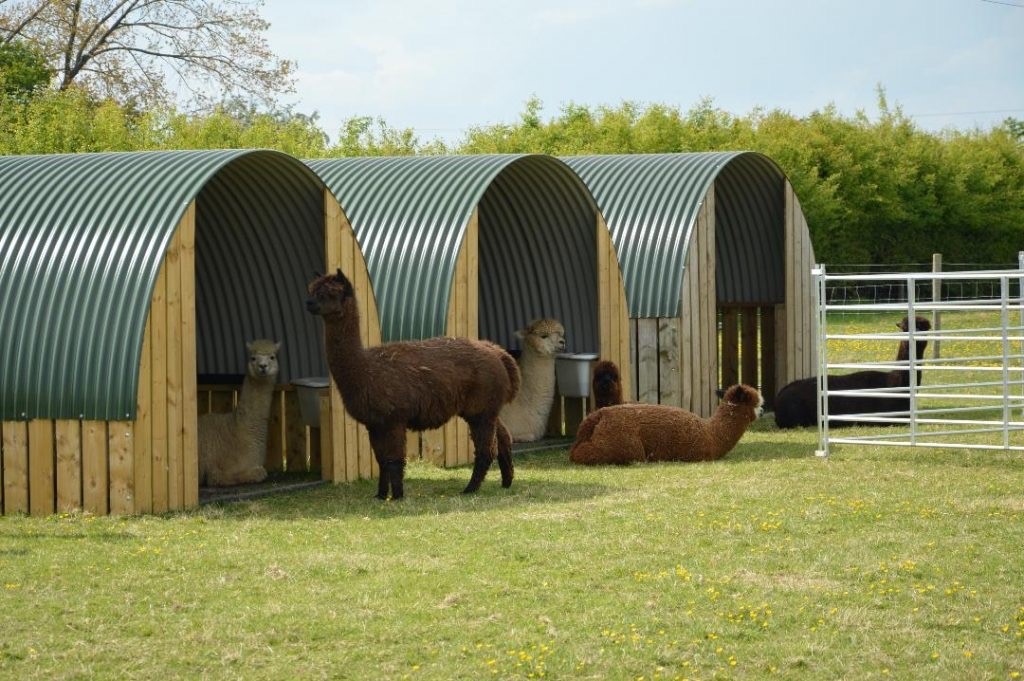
(428, 491)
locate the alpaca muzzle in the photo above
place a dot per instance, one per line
(312, 306)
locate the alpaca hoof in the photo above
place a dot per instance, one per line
(471, 489)
(506, 483)
(382, 497)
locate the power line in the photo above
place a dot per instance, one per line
(969, 113)
(1008, 4)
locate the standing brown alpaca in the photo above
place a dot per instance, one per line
(415, 384)
(606, 384)
(627, 433)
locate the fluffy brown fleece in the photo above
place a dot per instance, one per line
(606, 384)
(415, 385)
(626, 433)
(797, 403)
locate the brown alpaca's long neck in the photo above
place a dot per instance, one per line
(346, 356)
(727, 427)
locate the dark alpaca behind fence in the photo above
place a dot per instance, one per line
(417, 385)
(796, 403)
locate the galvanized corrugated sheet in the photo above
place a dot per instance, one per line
(651, 202)
(537, 239)
(82, 238)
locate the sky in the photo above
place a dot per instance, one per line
(441, 67)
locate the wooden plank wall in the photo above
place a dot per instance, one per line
(123, 467)
(796, 320)
(613, 313)
(698, 334)
(344, 443)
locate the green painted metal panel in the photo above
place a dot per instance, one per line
(410, 215)
(651, 203)
(82, 237)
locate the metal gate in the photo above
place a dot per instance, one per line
(966, 391)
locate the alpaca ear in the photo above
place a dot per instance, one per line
(277, 346)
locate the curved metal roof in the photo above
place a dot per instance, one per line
(651, 203)
(537, 222)
(82, 238)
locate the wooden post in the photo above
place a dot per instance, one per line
(936, 297)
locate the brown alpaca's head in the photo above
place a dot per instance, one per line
(742, 395)
(545, 337)
(606, 384)
(262, 358)
(329, 295)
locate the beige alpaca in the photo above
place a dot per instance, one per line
(233, 446)
(526, 417)
(627, 433)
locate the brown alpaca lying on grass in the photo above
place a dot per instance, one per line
(606, 384)
(626, 433)
(415, 385)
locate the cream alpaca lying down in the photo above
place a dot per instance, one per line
(626, 433)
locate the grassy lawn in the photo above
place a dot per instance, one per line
(876, 563)
(873, 564)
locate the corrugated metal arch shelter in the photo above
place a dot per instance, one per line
(478, 246)
(125, 278)
(708, 240)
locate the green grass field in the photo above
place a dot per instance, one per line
(877, 563)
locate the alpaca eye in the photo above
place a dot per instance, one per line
(252, 359)
(273, 358)
(543, 335)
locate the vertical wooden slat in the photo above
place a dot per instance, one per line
(158, 391)
(668, 362)
(41, 467)
(768, 350)
(122, 474)
(750, 364)
(275, 460)
(143, 439)
(730, 347)
(687, 356)
(326, 434)
(709, 307)
(174, 387)
(647, 360)
(15, 445)
(295, 432)
(604, 279)
(69, 465)
(95, 492)
(334, 427)
(362, 288)
(630, 367)
(189, 367)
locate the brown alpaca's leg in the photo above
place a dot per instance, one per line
(504, 440)
(389, 449)
(482, 431)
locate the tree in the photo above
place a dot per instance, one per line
(129, 50)
(22, 69)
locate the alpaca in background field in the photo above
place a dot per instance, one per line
(628, 433)
(526, 417)
(797, 403)
(233, 446)
(415, 384)
(606, 384)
